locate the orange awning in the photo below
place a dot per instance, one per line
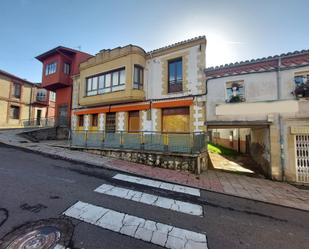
(172, 103)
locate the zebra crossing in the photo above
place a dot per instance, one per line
(165, 235)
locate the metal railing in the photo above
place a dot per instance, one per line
(38, 122)
(149, 141)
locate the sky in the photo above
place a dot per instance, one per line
(235, 30)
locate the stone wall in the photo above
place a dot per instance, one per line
(192, 163)
(54, 133)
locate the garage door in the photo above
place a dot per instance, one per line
(302, 157)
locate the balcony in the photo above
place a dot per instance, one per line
(41, 97)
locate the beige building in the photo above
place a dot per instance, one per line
(146, 107)
(22, 103)
(269, 97)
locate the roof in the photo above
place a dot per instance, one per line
(285, 60)
(41, 57)
(174, 45)
(9, 75)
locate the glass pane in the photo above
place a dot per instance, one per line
(107, 80)
(95, 83)
(122, 77)
(101, 82)
(115, 78)
(89, 84)
(171, 71)
(229, 93)
(179, 70)
(136, 75)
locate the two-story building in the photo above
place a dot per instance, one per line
(59, 64)
(266, 102)
(22, 103)
(121, 94)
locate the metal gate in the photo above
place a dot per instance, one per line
(302, 157)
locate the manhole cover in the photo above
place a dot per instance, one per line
(43, 234)
(41, 238)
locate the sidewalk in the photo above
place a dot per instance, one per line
(231, 184)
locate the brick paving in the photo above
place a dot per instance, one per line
(227, 183)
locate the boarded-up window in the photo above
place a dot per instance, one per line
(111, 122)
(134, 121)
(176, 119)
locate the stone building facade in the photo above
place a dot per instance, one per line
(22, 103)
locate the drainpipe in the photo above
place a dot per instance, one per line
(280, 121)
(30, 104)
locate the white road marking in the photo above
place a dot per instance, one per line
(154, 200)
(158, 184)
(58, 246)
(139, 228)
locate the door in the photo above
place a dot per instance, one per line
(63, 115)
(38, 117)
(302, 157)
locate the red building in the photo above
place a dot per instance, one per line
(59, 64)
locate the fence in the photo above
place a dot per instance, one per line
(150, 141)
(38, 122)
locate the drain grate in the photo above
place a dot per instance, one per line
(43, 234)
(41, 238)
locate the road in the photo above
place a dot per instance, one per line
(34, 188)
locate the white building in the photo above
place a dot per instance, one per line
(260, 95)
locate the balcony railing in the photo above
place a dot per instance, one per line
(190, 143)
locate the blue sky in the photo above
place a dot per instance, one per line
(236, 30)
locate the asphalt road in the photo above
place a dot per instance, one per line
(34, 187)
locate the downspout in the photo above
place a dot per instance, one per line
(30, 104)
(281, 134)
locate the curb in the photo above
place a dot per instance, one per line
(140, 175)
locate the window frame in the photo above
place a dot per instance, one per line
(17, 86)
(94, 117)
(140, 83)
(105, 89)
(49, 69)
(176, 85)
(241, 96)
(80, 120)
(12, 113)
(66, 68)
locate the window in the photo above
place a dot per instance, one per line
(94, 120)
(134, 121)
(52, 96)
(16, 90)
(106, 82)
(301, 79)
(41, 95)
(175, 75)
(138, 77)
(14, 112)
(81, 120)
(50, 68)
(176, 119)
(110, 125)
(235, 91)
(66, 68)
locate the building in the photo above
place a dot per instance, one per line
(126, 94)
(59, 64)
(268, 99)
(22, 103)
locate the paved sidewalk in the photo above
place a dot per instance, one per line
(232, 184)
